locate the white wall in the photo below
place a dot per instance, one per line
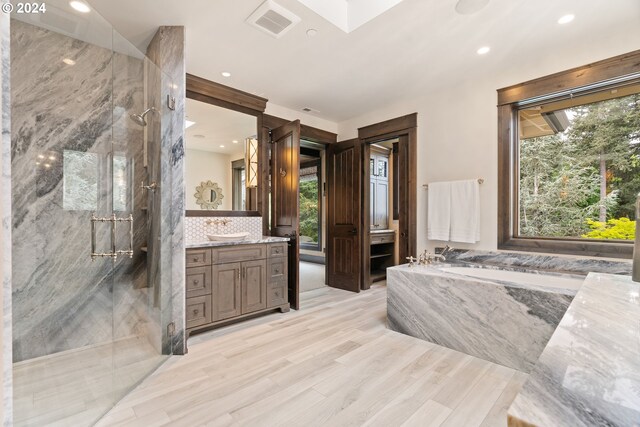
(305, 118)
(203, 166)
(457, 129)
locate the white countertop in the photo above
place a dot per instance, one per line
(249, 241)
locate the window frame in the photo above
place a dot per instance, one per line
(606, 73)
(317, 247)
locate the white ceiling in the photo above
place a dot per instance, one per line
(219, 126)
(415, 47)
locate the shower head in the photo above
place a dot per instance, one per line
(140, 118)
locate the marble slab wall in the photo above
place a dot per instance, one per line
(196, 227)
(166, 167)
(508, 325)
(61, 299)
(6, 372)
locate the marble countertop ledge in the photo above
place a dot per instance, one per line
(589, 372)
(249, 241)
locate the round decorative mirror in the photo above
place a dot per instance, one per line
(209, 195)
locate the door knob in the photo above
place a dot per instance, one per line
(354, 231)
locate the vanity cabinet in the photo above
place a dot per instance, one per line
(229, 283)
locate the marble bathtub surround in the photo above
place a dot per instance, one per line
(539, 263)
(589, 372)
(196, 227)
(482, 317)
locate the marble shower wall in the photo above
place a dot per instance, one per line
(166, 167)
(67, 117)
(6, 372)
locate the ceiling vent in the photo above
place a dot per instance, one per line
(273, 19)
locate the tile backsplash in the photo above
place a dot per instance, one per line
(196, 228)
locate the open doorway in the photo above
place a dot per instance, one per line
(312, 216)
(383, 210)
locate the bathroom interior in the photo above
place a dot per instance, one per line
(211, 215)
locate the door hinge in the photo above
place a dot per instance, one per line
(171, 329)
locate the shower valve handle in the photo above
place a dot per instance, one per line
(153, 186)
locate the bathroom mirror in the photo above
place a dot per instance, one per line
(220, 158)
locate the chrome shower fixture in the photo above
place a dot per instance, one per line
(140, 118)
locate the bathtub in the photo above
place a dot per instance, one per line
(502, 316)
(537, 279)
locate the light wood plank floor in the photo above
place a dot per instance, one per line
(333, 363)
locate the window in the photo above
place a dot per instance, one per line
(569, 162)
(579, 166)
(310, 207)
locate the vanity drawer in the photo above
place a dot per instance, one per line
(277, 249)
(238, 253)
(383, 238)
(276, 295)
(277, 270)
(198, 257)
(198, 311)
(198, 281)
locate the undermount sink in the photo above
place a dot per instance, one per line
(231, 237)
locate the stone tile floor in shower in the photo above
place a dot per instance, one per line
(75, 388)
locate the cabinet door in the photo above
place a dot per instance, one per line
(226, 291)
(372, 204)
(254, 286)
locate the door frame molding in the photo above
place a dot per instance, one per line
(405, 128)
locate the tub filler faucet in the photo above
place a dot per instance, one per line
(636, 245)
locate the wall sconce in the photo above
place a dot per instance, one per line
(251, 162)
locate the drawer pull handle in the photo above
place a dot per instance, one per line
(195, 312)
(195, 259)
(195, 282)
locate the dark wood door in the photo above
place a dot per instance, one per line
(254, 286)
(344, 209)
(226, 291)
(285, 198)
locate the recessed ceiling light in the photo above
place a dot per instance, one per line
(311, 32)
(222, 146)
(484, 50)
(188, 124)
(235, 141)
(226, 74)
(69, 61)
(566, 19)
(80, 6)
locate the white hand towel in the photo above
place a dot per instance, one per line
(439, 211)
(465, 211)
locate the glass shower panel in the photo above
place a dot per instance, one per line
(85, 331)
(138, 321)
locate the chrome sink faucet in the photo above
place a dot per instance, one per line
(218, 221)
